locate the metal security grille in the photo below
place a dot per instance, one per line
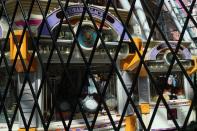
(57, 74)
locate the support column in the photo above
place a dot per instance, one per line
(27, 100)
(122, 97)
(130, 118)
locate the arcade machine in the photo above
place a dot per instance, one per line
(60, 91)
(177, 92)
(65, 94)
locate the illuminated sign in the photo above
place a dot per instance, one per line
(76, 10)
(157, 49)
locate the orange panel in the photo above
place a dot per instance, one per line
(132, 60)
(130, 122)
(138, 42)
(145, 108)
(194, 68)
(30, 129)
(19, 66)
(23, 49)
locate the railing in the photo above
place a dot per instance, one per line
(78, 66)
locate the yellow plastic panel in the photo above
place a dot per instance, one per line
(23, 49)
(19, 67)
(30, 129)
(132, 60)
(145, 108)
(130, 122)
(194, 68)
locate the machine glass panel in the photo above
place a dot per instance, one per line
(172, 90)
(65, 95)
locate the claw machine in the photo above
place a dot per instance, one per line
(174, 87)
(84, 85)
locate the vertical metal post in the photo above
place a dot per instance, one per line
(122, 97)
(189, 92)
(27, 100)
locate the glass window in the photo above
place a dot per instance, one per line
(174, 89)
(66, 95)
